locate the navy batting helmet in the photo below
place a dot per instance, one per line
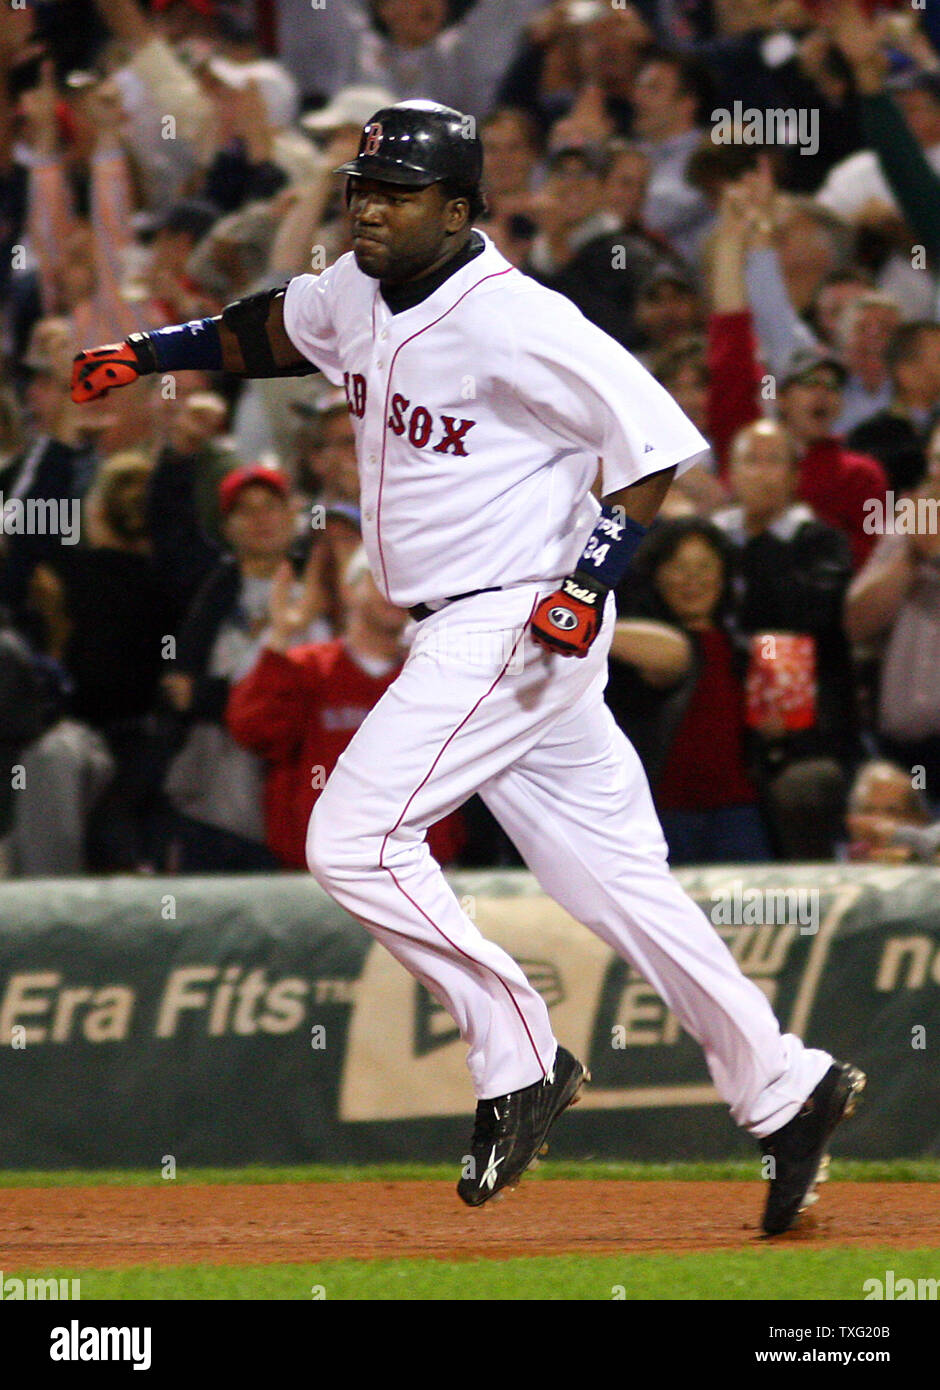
(417, 143)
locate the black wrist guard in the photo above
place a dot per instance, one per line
(143, 350)
(586, 588)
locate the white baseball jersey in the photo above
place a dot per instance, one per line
(480, 416)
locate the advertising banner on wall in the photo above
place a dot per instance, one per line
(230, 1021)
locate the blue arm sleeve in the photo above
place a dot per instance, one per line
(194, 346)
(611, 546)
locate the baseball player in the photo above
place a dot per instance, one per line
(482, 404)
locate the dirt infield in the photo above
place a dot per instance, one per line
(86, 1227)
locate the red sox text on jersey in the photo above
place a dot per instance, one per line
(415, 421)
(494, 367)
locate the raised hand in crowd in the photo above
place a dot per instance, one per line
(859, 39)
(292, 610)
(240, 113)
(727, 250)
(106, 113)
(38, 106)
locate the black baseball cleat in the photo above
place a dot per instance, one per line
(510, 1131)
(799, 1148)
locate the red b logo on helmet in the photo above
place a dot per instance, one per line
(373, 138)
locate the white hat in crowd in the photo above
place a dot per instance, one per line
(350, 106)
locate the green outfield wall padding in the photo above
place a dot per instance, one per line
(239, 1020)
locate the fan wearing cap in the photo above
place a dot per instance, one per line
(345, 115)
(176, 234)
(669, 308)
(333, 543)
(836, 482)
(257, 149)
(839, 484)
(251, 475)
(214, 786)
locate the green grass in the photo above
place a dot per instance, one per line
(766, 1272)
(848, 1170)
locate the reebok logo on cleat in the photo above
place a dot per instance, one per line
(489, 1175)
(515, 1127)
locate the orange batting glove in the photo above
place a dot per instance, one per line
(97, 370)
(569, 619)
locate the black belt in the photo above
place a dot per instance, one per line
(422, 611)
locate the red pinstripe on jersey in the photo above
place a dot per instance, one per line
(417, 907)
(494, 275)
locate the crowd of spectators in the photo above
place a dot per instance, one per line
(744, 193)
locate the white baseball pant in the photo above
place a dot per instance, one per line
(479, 706)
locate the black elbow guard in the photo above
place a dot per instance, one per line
(247, 319)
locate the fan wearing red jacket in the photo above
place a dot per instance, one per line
(299, 707)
